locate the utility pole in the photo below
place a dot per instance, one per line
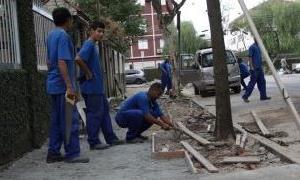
(224, 125)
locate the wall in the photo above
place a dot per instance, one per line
(24, 106)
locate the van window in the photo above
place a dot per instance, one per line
(207, 59)
(187, 61)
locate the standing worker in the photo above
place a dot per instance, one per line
(140, 112)
(61, 81)
(256, 74)
(166, 75)
(97, 107)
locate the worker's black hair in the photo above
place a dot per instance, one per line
(61, 15)
(97, 24)
(156, 86)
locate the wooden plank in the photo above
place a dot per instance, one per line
(260, 124)
(192, 134)
(210, 167)
(275, 148)
(168, 155)
(243, 159)
(243, 140)
(190, 162)
(153, 143)
(164, 155)
(238, 139)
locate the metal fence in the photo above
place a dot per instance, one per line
(43, 23)
(113, 69)
(9, 37)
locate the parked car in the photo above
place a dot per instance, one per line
(134, 76)
(297, 68)
(201, 72)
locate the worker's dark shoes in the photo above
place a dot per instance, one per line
(135, 140)
(143, 137)
(246, 100)
(265, 98)
(117, 142)
(78, 159)
(54, 158)
(99, 147)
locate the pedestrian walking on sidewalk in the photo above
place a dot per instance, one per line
(140, 112)
(256, 74)
(61, 82)
(92, 88)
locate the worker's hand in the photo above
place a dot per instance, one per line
(88, 75)
(71, 94)
(166, 126)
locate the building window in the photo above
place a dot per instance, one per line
(141, 2)
(161, 43)
(163, 2)
(144, 26)
(143, 44)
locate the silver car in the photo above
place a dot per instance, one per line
(134, 76)
(201, 73)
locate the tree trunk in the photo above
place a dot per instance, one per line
(224, 127)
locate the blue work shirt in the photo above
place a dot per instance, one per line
(89, 53)
(141, 101)
(255, 54)
(244, 70)
(59, 47)
(167, 67)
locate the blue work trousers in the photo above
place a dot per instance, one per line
(97, 113)
(134, 120)
(166, 81)
(58, 129)
(256, 77)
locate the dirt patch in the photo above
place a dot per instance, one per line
(201, 122)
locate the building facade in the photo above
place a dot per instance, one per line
(147, 50)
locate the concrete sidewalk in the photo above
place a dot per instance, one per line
(123, 162)
(288, 172)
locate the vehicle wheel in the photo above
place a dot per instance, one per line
(236, 89)
(204, 93)
(138, 81)
(196, 90)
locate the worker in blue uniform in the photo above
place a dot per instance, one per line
(166, 75)
(140, 112)
(244, 72)
(256, 74)
(61, 81)
(92, 89)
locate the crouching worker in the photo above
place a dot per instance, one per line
(140, 112)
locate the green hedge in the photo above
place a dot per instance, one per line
(14, 122)
(21, 130)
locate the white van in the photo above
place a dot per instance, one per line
(201, 72)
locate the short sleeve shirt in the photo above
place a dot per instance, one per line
(255, 54)
(142, 102)
(89, 53)
(59, 47)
